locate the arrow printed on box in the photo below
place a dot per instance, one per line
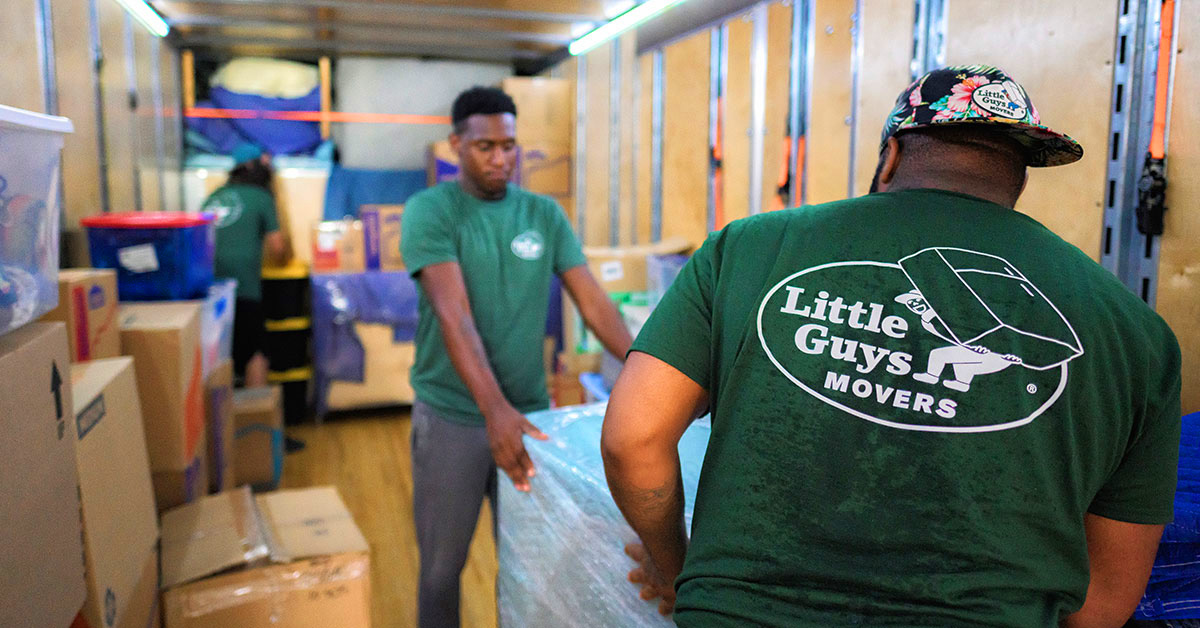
(56, 388)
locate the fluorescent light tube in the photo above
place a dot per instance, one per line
(620, 24)
(146, 16)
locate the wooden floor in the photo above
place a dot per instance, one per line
(367, 457)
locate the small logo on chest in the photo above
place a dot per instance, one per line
(529, 245)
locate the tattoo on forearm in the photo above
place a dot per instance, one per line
(651, 503)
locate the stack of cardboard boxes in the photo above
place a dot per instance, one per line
(371, 243)
(97, 443)
(353, 246)
(625, 274)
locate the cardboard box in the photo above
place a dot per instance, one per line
(164, 341)
(547, 169)
(386, 365)
(120, 523)
(567, 391)
(624, 269)
(441, 163)
(175, 488)
(42, 579)
(142, 609)
(544, 108)
(381, 230)
(87, 303)
(258, 436)
(315, 548)
(218, 410)
(542, 167)
(339, 247)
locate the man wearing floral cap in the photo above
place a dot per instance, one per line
(927, 409)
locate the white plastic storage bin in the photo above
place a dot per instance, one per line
(30, 150)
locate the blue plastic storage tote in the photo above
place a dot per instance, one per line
(159, 256)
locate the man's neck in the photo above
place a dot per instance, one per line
(472, 189)
(998, 197)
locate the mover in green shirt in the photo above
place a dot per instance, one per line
(246, 224)
(927, 409)
(483, 252)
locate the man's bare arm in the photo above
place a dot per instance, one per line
(597, 310)
(279, 248)
(443, 284)
(650, 407)
(1120, 556)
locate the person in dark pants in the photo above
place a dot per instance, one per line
(851, 478)
(246, 225)
(483, 252)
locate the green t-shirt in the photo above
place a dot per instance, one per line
(245, 215)
(916, 397)
(508, 250)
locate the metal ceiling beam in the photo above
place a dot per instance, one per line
(412, 9)
(367, 47)
(206, 21)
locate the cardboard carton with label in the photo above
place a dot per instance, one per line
(87, 304)
(120, 523)
(42, 580)
(288, 559)
(381, 231)
(338, 247)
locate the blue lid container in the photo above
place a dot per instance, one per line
(158, 256)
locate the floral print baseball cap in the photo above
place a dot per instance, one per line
(980, 94)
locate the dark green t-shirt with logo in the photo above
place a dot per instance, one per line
(508, 250)
(245, 215)
(916, 398)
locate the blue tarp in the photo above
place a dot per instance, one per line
(340, 301)
(388, 298)
(216, 135)
(1174, 589)
(350, 189)
(278, 137)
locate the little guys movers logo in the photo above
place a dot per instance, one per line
(946, 340)
(528, 245)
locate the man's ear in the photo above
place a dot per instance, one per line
(891, 162)
(455, 142)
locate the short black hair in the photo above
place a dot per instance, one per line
(480, 100)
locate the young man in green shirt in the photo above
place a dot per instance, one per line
(927, 409)
(246, 224)
(483, 251)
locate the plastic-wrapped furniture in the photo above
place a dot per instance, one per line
(561, 546)
(1174, 589)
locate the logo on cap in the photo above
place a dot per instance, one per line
(1001, 99)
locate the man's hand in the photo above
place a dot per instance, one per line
(505, 429)
(654, 585)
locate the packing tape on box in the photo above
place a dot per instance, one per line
(249, 528)
(277, 582)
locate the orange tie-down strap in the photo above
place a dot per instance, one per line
(1162, 83)
(314, 116)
